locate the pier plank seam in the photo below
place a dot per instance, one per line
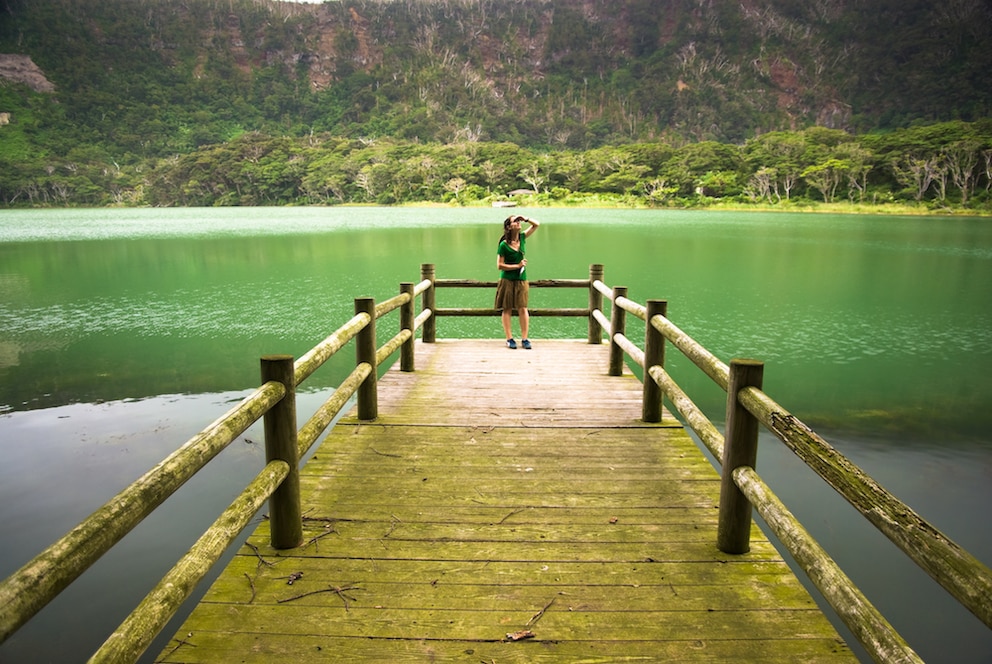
(507, 506)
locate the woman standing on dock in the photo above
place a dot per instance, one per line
(512, 290)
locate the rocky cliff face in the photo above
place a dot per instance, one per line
(22, 69)
(569, 73)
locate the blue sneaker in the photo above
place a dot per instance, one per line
(511, 344)
(526, 344)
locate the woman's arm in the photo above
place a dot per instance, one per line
(501, 263)
(532, 228)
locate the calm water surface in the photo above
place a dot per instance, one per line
(123, 333)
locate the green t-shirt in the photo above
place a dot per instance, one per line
(511, 257)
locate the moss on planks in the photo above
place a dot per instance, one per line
(453, 524)
(213, 647)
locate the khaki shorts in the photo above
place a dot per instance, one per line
(511, 294)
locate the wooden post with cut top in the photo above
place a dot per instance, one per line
(407, 322)
(285, 515)
(740, 449)
(365, 351)
(654, 355)
(596, 272)
(430, 325)
(618, 325)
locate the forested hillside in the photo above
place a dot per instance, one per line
(126, 93)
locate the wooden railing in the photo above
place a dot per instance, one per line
(966, 578)
(39, 581)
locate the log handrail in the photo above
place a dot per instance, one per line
(139, 629)
(945, 561)
(853, 608)
(38, 581)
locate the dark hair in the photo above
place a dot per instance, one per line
(506, 227)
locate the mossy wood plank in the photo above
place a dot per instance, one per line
(500, 491)
(397, 584)
(509, 498)
(534, 484)
(572, 446)
(390, 512)
(213, 647)
(470, 624)
(527, 552)
(436, 573)
(434, 531)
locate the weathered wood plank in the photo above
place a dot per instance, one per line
(212, 647)
(557, 624)
(411, 584)
(500, 491)
(475, 513)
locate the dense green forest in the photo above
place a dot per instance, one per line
(674, 103)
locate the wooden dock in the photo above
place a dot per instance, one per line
(507, 506)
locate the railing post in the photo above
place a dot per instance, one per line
(595, 302)
(285, 517)
(740, 449)
(365, 347)
(430, 325)
(618, 325)
(407, 322)
(654, 355)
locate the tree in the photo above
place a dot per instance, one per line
(455, 185)
(534, 176)
(492, 173)
(859, 164)
(373, 179)
(658, 190)
(690, 163)
(916, 173)
(961, 158)
(763, 184)
(987, 156)
(781, 152)
(826, 177)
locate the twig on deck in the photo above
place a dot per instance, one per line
(392, 526)
(395, 456)
(503, 520)
(180, 643)
(261, 560)
(328, 530)
(337, 590)
(251, 582)
(540, 614)
(327, 519)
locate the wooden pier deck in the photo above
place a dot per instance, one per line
(507, 506)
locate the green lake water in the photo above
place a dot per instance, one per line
(124, 332)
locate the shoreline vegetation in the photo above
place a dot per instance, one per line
(807, 207)
(796, 206)
(942, 169)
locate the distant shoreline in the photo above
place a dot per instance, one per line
(805, 206)
(599, 202)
